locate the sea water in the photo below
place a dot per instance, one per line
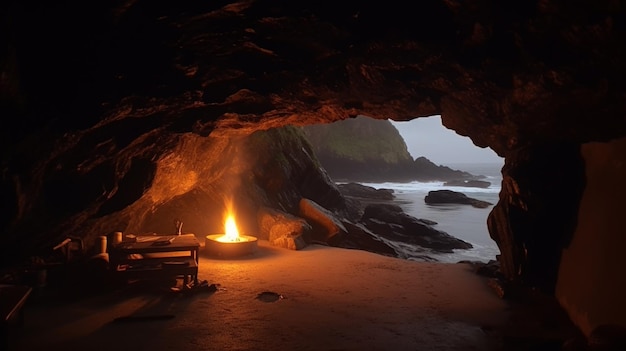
(465, 222)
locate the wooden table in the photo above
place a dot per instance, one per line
(157, 256)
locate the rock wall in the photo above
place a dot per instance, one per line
(591, 284)
(191, 178)
(535, 216)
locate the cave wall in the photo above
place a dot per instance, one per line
(535, 216)
(138, 74)
(591, 285)
(197, 180)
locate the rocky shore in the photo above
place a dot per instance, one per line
(375, 214)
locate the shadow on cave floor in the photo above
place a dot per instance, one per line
(333, 300)
(537, 322)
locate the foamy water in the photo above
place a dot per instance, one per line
(462, 221)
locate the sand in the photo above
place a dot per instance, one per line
(318, 298)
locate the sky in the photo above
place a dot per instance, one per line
(427, 137)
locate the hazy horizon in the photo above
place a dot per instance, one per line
(426, 136)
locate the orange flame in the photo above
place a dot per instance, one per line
(232, 234)
(231, 231)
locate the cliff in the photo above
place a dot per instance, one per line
(366, 149)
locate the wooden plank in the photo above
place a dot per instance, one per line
(12, 299)
(155, 268)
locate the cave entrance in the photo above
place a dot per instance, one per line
(414, 158)
(429, 138)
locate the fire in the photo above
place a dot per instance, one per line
(231, 234)
(230, 243)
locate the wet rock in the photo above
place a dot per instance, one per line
(361, 238)
(468, 183)
(389, 221)
(364, 191)
(453, 197)
(390, 213)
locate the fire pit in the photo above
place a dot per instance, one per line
(214, 246)
(231, 244)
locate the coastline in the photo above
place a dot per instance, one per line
(458, 220)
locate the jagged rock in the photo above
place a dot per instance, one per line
(283, 229)
(391, 213)
(354, 208)
(389, 221)
(325, 224)
(453, 197)
(472, 183)
(365, 192)
(357, 196)
(426, 170)
(359, 237)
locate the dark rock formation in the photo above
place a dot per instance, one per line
(453, 197)
(361, 238)
(389, 221)
(357, 196)
(468, 183)
(372, 214)
(365, 192)
(363, 149)
(535, 216)
(360, 149)
(426, 170)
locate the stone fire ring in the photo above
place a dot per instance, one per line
(229, 249)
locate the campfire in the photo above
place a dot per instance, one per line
(230, 243)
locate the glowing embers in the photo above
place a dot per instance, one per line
(231, 243)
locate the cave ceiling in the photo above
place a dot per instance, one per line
(505, 74)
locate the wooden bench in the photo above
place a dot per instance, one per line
(157, 256)
(156, 268)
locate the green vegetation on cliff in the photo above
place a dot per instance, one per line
(367, 149)
(360, 139)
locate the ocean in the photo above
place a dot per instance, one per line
(461, 221)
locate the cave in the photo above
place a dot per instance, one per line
(125, 115)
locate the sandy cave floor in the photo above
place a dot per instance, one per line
(322, 298)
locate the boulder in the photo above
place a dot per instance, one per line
(453, 197)
(361, 238)
(366, 192)
(357, 196)
(324, 223)
(282, 229)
